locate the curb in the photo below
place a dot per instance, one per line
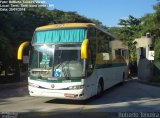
(13, 85)
(149, 83)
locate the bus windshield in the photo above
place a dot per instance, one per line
(61, 61)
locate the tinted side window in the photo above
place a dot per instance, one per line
(103, 42)
(92, 49)
(104, 51)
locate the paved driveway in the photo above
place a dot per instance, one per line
(132, 96)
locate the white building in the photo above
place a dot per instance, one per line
(144, 46)
(118, 48)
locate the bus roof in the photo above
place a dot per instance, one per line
(65, 25)
(72, 25)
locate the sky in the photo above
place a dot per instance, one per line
(106, 11)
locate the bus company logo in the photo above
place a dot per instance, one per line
(52, 86)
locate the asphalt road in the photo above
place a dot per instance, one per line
(132, 96)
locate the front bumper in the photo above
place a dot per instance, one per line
(61, 94)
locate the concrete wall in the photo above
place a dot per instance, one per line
(145, 43)
(145, 68)
(115, 44)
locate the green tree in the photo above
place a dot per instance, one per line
(129, 30)
(151, 24)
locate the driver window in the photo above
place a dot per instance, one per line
(92, 49)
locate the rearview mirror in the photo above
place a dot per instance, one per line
(20, 50)
(84, 49)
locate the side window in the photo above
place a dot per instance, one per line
(33, 62)
(92, 49)
(120, 56)
(104, 52)
(103, 42)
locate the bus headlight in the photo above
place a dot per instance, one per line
(33, 85)
(76, 87)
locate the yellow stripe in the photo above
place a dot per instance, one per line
(66, 25)
(20, 50)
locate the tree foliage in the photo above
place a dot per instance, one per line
(151, 24)
(157, 50)
(129, 28)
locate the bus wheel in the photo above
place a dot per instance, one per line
(124, 76)
(100, 88)
(123, 79)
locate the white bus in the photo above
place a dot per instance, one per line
(73, 61)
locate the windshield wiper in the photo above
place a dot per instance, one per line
(68, 70)
(44, 66)
(58, 66)
(65, 71)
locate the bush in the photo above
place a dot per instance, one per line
(155, 79)
(157, 49)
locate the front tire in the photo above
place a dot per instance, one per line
(100, 88)
(123, 79)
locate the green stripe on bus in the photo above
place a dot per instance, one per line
(55, 81)
(98, 66)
